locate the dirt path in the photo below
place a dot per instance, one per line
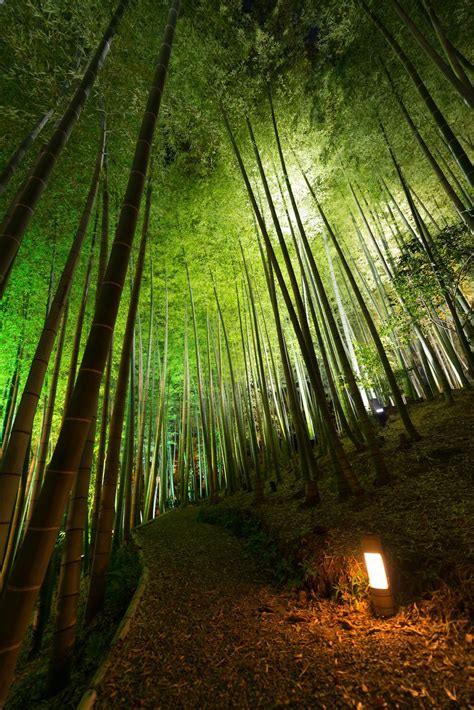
(212, 632)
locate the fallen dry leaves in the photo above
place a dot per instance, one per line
(213, 632)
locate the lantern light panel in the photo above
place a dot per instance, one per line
(376, 570)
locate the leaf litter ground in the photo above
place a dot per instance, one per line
(214, 630)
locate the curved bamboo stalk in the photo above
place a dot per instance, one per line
(15, 161)
(21, 215)
(313, 370)
(14, 455)
(464, 90)
(17, 603)
(446, 131)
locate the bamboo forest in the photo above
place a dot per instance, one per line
(236, 354)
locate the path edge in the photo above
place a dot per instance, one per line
(89, 696)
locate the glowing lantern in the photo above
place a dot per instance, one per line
(380, 592)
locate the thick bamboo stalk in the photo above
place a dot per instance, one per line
(21, 215)
(103, 542)
(18, 601)
(65, 630)
(12, 462)
(12, 398)
(48, 419)
(80, 320)
(75, 548)
(100, 463)
(102, 267)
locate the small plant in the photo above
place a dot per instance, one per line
(351, 588)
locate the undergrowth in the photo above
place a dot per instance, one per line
(424, 518)
(248, 527)
(29, 690)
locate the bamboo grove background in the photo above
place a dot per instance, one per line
(302, 202)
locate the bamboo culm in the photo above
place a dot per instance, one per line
(24, 205)
(18, 601)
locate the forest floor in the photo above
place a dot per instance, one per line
(281, 617)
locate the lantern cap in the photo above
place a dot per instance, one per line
(371, 543)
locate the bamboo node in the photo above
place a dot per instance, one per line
(10, 236)
(104, 325)
(7, 649)
(22, 204)
(111, 283)
(91, 369)
(12, 588)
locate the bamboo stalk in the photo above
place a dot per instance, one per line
(21, 214)
(17, 603)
